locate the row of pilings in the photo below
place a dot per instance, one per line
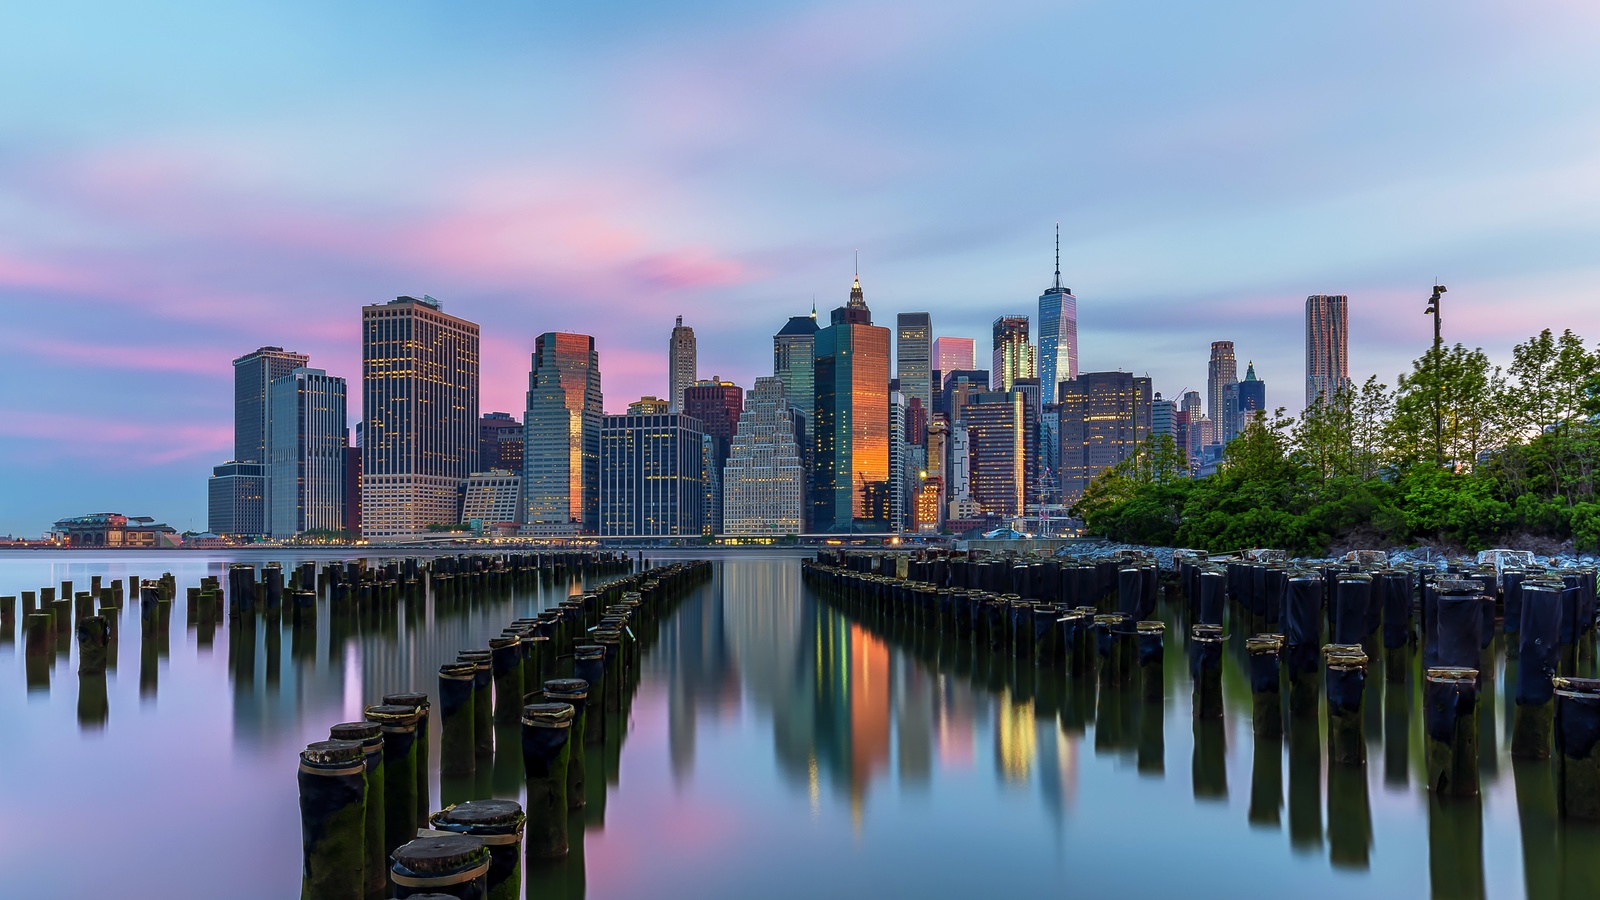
(360, 593)
(549, 695)
(1313, 634)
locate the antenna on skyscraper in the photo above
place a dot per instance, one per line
(1058, 256)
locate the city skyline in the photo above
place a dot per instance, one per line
(211, 205)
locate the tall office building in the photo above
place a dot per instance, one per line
(913, 351)
(561, 437)
(1252, 399)
(491, 498)
(1104, 415)
(1191, 411)
(1221, 371)
(852, 417)
(306, 473)
(419, 390)
(651, 476)
(1058, 333)
(931, 496)
(794, 360)
(682, 365)
(1163, 417)
(960, 487)
(763, 485)
(649, 405)
(899, 460)
(1327, 345)
(952, 353)
(499, 442)
(959, 386)
(717, 404)
(1002, 429)
(253, 373)
(1013, 355)
(236, 495)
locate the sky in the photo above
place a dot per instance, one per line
(182, 182)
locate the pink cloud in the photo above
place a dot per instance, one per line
(123, 358)
(129, 444)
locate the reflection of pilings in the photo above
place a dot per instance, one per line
(1305, 785)
(1538, 823)
(1210, 767)
(1346, 676)
(1266, 685)
(1397, 729)
(1455, 848)
(1266, 781)
(1349, 818)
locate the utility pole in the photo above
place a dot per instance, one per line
(1438, 366)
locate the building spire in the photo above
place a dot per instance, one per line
(857, 299)
(1057, 285)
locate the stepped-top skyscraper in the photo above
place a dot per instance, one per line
(1012, 357)
(913, 351)
(1058, 333)
(1327, 345)
(763, 484)
(1221, 371)
(1252, 399)
(561, 437)
(419, 389)
(852, 418)
(682, 365)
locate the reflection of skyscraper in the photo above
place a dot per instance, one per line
(419, 381)
(682, 364)
(1327, 345)
(852, 416)
(561, 437)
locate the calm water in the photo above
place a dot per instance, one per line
(776, 748)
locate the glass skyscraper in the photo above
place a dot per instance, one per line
(1012, 357)
(1327, 345)
(913, 350)
(306, 472)
(1058, 333)
(561, 437)
(852, 419)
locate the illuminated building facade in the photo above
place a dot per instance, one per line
(419, 389)
(852, 419)
(1013, 355)
(952, 353)
(1221, 371)
(1327, 345)
(682, 365)
(959, 386)
(1003, 432)
(651, 476)
(1058, 333)
(491, 498)
(253, 373)
(1103, 416)
(236, 495)
(561, 437)
(499, 442)
(913, 351)
(305, 476)
(649, 406)
(717, 404)
(763, 484)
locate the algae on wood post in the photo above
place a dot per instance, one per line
(573, 691)
(399, 724)
(456, 718)
(370, 736)
(546, 752)
(506, 663)
(418, 701)
(499, 823)
(333, 790)
(482, 699)
(1450, 730)
(449, 865)
(589, 664)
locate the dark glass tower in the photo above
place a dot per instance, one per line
(852, 419)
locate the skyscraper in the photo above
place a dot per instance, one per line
(499, 443)
(1327, 345)
(717, 405)
(306, 472)
(236, 495)
(1012, 357)
(419, 389)
(682, 367)
(763, 484)
(252, 374)
(793, 360)
(1164, 417)
(1252, 398)
(852, 416)
(1002, 429)
(561, 437)
(1104, 415)
(1221, 371)
(651, 476)
(1058, 333)
(952, 353)
(913, 350)
(899, 457)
